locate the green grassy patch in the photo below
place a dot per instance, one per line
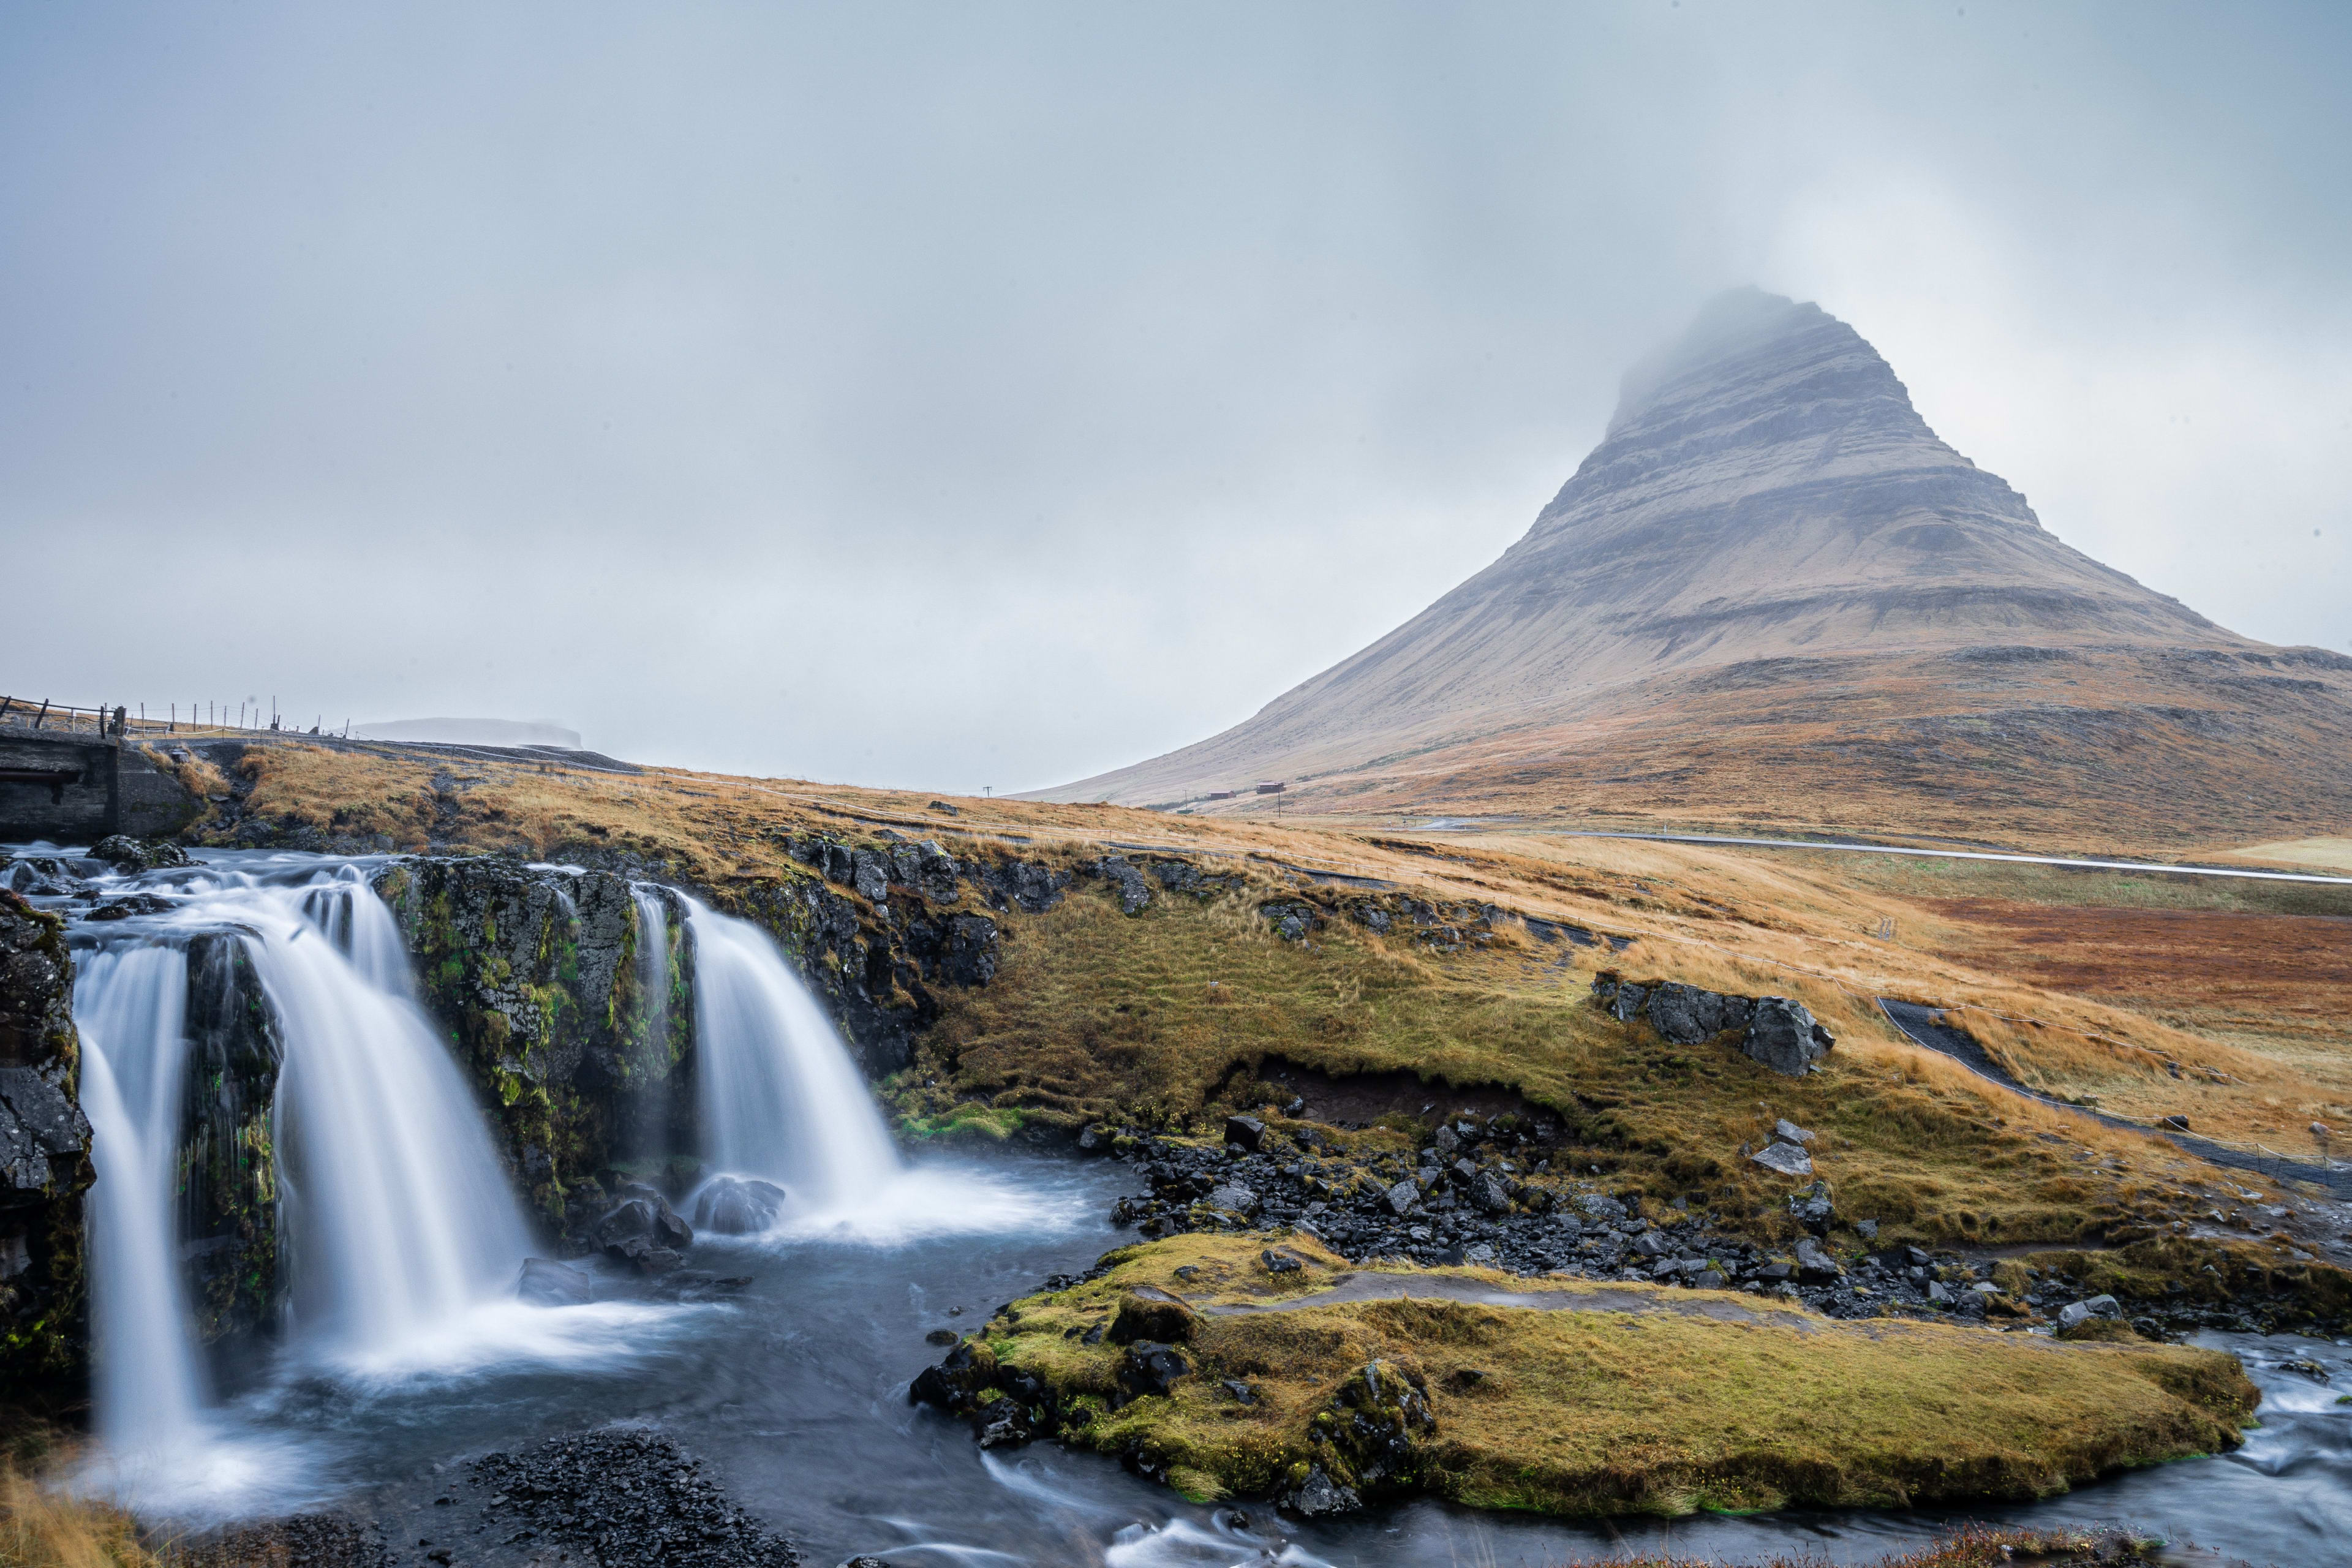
(1604, 1411)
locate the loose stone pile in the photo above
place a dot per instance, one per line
(628, 1497)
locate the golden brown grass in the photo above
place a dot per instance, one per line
(1094, 1013)
(42, 1528)
(1604, 1410)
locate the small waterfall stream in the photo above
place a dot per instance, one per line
(129, 1005)
(780, 1097)
(399, 1214)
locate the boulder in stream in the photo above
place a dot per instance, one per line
(737, 1205)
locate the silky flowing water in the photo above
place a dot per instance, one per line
(407, 1354)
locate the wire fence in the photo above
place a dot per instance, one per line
(28, 716)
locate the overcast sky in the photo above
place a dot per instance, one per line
(965, 394)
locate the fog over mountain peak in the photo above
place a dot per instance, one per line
(1766, 492)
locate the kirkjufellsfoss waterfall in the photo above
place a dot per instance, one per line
(780, 1097)
(129, 1006)
(400, 1237)
(398, 1214)
(396, 1217)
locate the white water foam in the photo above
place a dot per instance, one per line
(783, 1100)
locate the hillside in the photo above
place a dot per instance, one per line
(1771, 594)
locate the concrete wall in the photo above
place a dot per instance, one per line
(94, 787)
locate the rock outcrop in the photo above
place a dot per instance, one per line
(534, 973)
(228, 1174)
(1779, 1034)
(45, 1166)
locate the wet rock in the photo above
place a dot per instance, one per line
(1787, 1159)
(549, 1284)
(125, 853)
(41, 877)
(737, 1205)
(1245, 1131)
(951, 1386)
(643, 1212)
(626, 1497)
(1317, 1495)
(45, 1166)
(1094, 1139)
(1150, 1368)
(1783, 1036)
(870, 873)
(129, 905)
(927, 869)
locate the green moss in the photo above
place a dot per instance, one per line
(1661, 1410)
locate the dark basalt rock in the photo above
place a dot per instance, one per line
(229, 1195)
(623, 1499)
(643, 1213)
(1372, 1427)
(1134, 892)
(1779, 1033)
(1150, 1369)
(737, 1205)
(534, 975)
(125, 853)
(1785, 1037)
(41, 877)
(45, 1166)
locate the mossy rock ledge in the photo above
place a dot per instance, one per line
(1277, 1370)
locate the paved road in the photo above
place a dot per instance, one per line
(1924, 1026)
(1445, 824)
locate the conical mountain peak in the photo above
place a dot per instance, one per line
(1765, 497)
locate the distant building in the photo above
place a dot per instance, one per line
(1221, 795)
(1274, 786)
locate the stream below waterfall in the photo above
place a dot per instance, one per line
(408, 1354)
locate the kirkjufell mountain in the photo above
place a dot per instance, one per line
(1772, 595)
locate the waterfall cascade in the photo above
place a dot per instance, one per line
(780, 1097)
(399, 1215)
(396, 1212)
(129, 1006)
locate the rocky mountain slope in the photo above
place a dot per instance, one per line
(1770, 540)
